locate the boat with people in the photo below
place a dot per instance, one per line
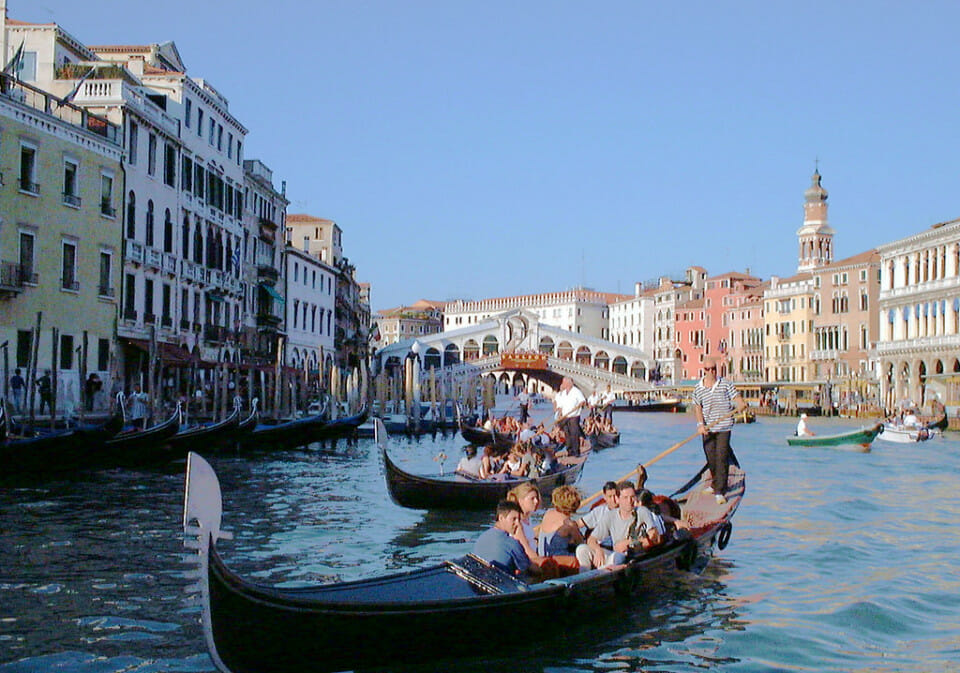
(136, 448)
(645, 402)
(910, 434)
(459, 490)
(862, 437)
(429, 615)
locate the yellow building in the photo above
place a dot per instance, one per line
(788, 329)
(60, 239)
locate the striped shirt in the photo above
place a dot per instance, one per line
(716, 402)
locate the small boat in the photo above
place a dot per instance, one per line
(142, 447)
(344, 427)
(604, 440)
(862, 437)
(57, 451)
(481, 437)
(211, 437)
(286, 435)
(910, 435)
(421, 616)
(668, 404)
(456, 490)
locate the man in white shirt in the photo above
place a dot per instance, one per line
(523, 397)
(568, 402)
(802, 429)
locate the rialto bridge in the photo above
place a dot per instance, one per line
(516, 347)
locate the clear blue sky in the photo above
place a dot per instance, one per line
(482, 149)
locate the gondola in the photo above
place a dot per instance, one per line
(862, 437)
(57, 451)
(460, 491)
(344, 427)
(286, 435)
(604, 440)
(423, 616)
(135, 448)
(481, 437)
(211, 437)
(668, 405)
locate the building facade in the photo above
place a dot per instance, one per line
(421, 318)
(668, 295)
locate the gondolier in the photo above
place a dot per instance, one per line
(523, 397)
(568, 402)
(714, 399)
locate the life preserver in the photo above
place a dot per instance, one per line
(723, 536)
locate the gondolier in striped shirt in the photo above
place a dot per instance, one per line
(714, 399)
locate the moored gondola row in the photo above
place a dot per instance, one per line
(112, 445)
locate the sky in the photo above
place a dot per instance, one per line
(488, 149)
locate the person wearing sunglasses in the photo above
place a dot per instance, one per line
(714, 400)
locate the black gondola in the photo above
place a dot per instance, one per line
(286, 435)
(133, 448)
(416, 617)
(344, 427)
(604, 440)
(481, 437)
(57, 451)
(212, 437)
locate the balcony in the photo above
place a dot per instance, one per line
(29, 187)
(154, 258)
(217, 334)
(268, 320)
(107, 210)
(106, 291)
(71, 200)
(130, 314)
(14, 276)
(69, 284)
(134, 252)
(184, 324)
(166, 321)
(169, 264)
(150, 318)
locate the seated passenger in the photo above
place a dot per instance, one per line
(626, 527)
(489, 464)
(559, 534)
(471, 463)
(499, 546)
(650, 530)
(527, 495)
(514, 462)
(590, 520)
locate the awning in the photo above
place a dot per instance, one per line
(272, 291)
(170, 354)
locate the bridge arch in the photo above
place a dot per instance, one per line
(620, 365)
(451, 355)
(565, 350)
(491, 345)
(471, 350)
(583, 355)
(601, 360)
(546, 345)
(431, 358)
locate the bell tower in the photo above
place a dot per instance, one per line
(815, 237)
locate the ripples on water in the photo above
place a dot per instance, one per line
(839, 560)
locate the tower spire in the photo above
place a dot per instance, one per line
(815, 237)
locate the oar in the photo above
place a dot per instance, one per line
(661, 455)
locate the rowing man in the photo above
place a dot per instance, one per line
(715, 399)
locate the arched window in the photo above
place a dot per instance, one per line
(131, 215)
(185, 237)
(198, 244)
(167, 231)
(150, 232)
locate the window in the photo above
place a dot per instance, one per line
(24, 342)
(103, 354)
(185, 237)
(167, 231)
(26, 257)
(132, 145)
(198, 178)
(219, 137)
(66, 351)
(70, 196)
(149, 238)
(148, 315)
(239, 146)
(151, 154)
(68, 267)
(131, 215)
(199, 122)
(28, 169)
(169, 165)
(106, 286)
(186, 175)
(188, 112)
(166, 319)
(129, 296)
(229, 145)
(213, 131)
(27, 71)
(106, 195)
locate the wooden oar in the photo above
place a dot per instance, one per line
(661, 455)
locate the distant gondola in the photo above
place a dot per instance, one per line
(604, 440)
(459, 491)
(481, 437)
(135, 448)
(344, 427)
(286, 435)
(211, 437)
(57, 451)
(423, 616)
(862, 437)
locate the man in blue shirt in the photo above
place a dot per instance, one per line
(498, 546)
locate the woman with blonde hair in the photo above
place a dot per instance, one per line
(559, 533)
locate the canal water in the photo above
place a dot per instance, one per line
(840, 560)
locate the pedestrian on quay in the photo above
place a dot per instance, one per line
(714, 399)
(45, 390)
(18, 391)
